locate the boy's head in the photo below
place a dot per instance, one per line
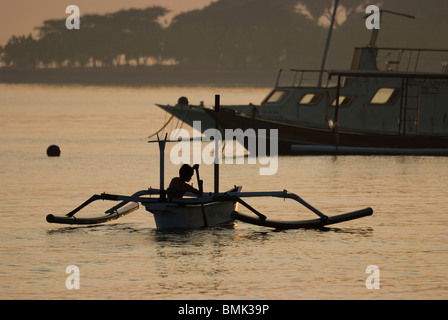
(186, 172)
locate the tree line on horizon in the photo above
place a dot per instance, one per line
(225, 34)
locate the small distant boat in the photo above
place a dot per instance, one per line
(211, 209)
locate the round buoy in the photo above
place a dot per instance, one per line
(53, 151)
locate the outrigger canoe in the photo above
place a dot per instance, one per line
(211, 209)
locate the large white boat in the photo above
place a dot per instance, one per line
(391, 101)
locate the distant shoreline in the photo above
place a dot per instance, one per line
(144, 76)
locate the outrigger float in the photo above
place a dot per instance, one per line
(211, 209)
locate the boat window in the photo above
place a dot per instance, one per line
(344, 101)
(310, 98)
(384, 95)
(277, 96)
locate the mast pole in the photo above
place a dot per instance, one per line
(216, 144)
(327, 44)
(162, 165)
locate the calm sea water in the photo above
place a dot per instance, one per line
(103, 136)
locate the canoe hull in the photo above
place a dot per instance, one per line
(170, 216)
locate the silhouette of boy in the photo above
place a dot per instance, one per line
(178, 185)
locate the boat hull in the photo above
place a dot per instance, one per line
(169, 215)
(294, 139)
(189, 114)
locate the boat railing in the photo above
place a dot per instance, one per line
(445, 67)
(394, 60)
(412, 59)
(306, 77)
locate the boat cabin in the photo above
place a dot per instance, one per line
(400, 99)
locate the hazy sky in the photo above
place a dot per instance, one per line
(20, 17)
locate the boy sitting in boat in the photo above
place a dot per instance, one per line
(178, 185)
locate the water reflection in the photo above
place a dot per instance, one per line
(365, 232)
(114, 227)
